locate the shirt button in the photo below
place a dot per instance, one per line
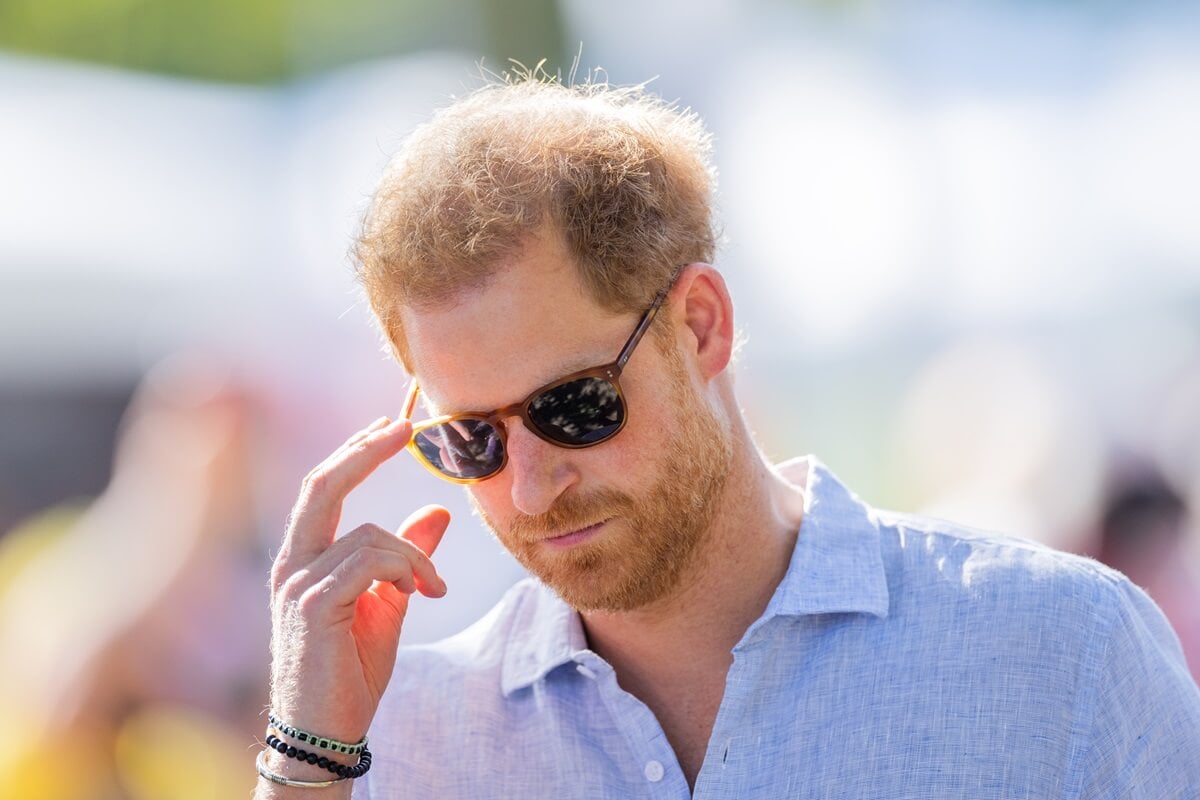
(654, 771)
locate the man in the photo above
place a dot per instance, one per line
(700, 622)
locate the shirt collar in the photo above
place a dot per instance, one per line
(545, 634)
(837, 564)
(836, 567)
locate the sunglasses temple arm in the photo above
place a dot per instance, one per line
(641, 329)
(410, 401)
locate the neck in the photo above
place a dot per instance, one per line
(745, 556)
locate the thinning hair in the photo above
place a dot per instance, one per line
(622, 176)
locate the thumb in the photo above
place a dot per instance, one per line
(425, 528)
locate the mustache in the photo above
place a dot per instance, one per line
(570, 513)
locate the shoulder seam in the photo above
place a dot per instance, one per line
(1076, 766)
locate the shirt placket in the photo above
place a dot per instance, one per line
(720, 776)
(649, 751)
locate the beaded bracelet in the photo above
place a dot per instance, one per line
(322, 742)
(261, 764)
(343, 771)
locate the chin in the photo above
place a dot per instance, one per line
(613, 578)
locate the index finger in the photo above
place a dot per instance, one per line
(314, 520)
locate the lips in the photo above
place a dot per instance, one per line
(576, 536)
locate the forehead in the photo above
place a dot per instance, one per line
(530, 323)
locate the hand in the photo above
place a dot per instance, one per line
(337, 606)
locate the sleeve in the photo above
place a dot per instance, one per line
(1145, 734)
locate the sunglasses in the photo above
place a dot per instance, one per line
(579, 410)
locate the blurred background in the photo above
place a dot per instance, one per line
(963, 240)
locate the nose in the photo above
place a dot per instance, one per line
(538, 471)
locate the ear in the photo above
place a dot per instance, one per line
(701, 302)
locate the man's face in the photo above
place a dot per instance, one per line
(611, 527)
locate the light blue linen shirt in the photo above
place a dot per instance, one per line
(899, 658)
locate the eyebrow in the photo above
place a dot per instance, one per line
(618, 362)
(574, 365)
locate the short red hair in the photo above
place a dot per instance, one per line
(624, 177)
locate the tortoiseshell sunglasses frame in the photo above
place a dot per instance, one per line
(610, 372)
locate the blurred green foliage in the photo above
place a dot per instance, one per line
(263, 41)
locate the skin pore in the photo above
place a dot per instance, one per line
(697, 528)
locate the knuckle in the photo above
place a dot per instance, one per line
(283, 577)
(368, 535)
(378, 536)
(314, 483)
(355, 449)
(314, 598)
(293, 586)
(356, 561)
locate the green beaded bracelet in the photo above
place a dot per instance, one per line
(323, 742)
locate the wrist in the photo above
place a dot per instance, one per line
(292, 769)
(327, 720)
(312, 740)
(298, 758)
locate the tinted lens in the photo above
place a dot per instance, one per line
(583, 411)
(463, 448)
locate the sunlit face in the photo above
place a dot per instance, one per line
(612, 527)
(648, 535)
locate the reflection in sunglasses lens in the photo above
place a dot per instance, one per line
(462, 448)
(582, 411)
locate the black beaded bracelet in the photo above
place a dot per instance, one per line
(341, 770)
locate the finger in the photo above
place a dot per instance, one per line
(341, 588)
(364, 433)
(315, 518)
(425, 528)
(370, 536)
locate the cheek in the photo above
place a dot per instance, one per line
(664, 411)
(622, 462)
(493, 500)
(652, 406)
